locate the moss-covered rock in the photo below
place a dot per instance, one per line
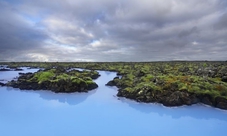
(56, 80)
(174, 90)
(179, 87)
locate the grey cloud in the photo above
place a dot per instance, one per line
(186, 33)
(128, 30)
(222, 22)
(17, 34)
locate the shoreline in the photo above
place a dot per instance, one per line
(169, 83)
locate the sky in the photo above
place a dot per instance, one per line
(113, 30)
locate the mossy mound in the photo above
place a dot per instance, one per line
(57, 80)
(173, 90)
(173, 85)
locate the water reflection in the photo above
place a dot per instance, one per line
(71, 98)
(197, 111)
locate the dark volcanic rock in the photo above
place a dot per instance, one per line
(221, 103)
(194, 99)
(2, 84)
(111, 83)
(12, 67)
(59, 69)
(224, 79)
(18, 69)
(177, 98)
(95, 76)
(206, 99)
(184, 69)
(92, 86)
(5, 69)
(208, 71)
(141, 73)
(172, 98)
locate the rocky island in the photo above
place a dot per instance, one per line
(57, 80)
(174, 84)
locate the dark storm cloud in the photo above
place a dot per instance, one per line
(120, 30)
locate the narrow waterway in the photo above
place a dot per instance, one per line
(99, 113)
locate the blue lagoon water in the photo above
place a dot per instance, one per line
(100, 113)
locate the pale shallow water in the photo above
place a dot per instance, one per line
(6, 76)
(100, 113)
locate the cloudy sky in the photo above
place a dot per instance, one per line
(113, 30)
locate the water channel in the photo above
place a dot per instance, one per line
(99, 113)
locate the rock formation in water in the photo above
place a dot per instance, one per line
(175, 85)
(57, 80)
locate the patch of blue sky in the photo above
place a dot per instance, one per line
(93, 41)
(59, 44)
(13, 1)
(34, 19)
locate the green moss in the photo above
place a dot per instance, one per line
(129, 89)
(63, 76)
(147, 86)
(126, 83)
(87, 78)
(77, 80)
(194, 88)
(183, 86)
(89, 82)
(130, 76)
(44, 76)
(147, 78)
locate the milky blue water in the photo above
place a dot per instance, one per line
(100, 113)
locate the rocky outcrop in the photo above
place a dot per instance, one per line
(5, 69)
(95, 76)
(55, 80)
(176, 98)
(12, 69)
(2, 84)
(175, 85)
(18, 69)
(221, 102)
(111, 83)
(206, 99)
